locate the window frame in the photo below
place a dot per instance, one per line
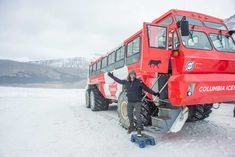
(195, 48)
(113, 52)
(189, 22)
(131, 42)
(135, 55)
(166, 46)
(104, 58)
(215, 47)
(120, 48)
(204, 22)
(160, 22)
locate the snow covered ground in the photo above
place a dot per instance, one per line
(38, 122)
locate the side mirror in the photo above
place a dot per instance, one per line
(184, 27)
(231, 32)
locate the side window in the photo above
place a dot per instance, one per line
(176, 41)
(104, 65)
(136, 45)
(133, 47)
(111, 58)
(90, 70)
(98, 65)
(133, 51)
(167, 21)
(120, 54)
(157, 36)
(104, 62)
(93, 69)
(129, 49)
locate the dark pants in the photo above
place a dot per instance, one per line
(137, 106)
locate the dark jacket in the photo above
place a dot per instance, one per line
(134, 88)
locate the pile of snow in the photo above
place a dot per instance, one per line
(55, 123)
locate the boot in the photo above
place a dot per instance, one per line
(130, 129)
(139, 134)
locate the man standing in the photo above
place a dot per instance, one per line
(134, 89)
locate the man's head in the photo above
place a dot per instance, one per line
(132, 75)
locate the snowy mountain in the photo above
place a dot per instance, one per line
(230, 22)
(13, 72)
(76, 62)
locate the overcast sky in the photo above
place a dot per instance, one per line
(45, 29)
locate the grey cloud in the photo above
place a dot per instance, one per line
(56, 28)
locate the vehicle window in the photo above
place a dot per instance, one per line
(133, 47)
(157, 36)
(111, 58)
(215, 25)
(136, 45)
(90, 69)
(93, 67)
(196, 40)
(98, 65)
(120, 54)
(176, 41)
(191, 21)
(166, 22)
(104, 62)
(222, 42)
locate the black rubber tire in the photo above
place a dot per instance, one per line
(97, 101)
(87, 98)
(148, 109)
(199, 112)
(122, 110)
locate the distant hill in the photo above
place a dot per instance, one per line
(76, 62)
(13, 72)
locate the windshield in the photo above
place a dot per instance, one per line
(222, 42)
(191, 21)
(196, 40)
(215, 25)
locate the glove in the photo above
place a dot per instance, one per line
(110, 74)
(157, 94)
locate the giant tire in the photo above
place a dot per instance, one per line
(97, 101)
(122, 110)
(199, 112)
(147, 111)
(87, 98)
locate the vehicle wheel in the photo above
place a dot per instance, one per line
(87, 98)
(122, 110)
(97, 101)
(147, 110)
(199, 112)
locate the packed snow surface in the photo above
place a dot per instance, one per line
(38, 122)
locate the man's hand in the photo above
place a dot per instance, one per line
(157, 94)
(110, 74)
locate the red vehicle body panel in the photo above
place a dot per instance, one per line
(211, 88)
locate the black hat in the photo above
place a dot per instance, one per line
(132, 73)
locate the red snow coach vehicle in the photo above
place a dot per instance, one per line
(189, 57)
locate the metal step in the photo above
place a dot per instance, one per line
(164, 112)
(166, 117)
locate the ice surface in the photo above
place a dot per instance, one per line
(38, 122)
